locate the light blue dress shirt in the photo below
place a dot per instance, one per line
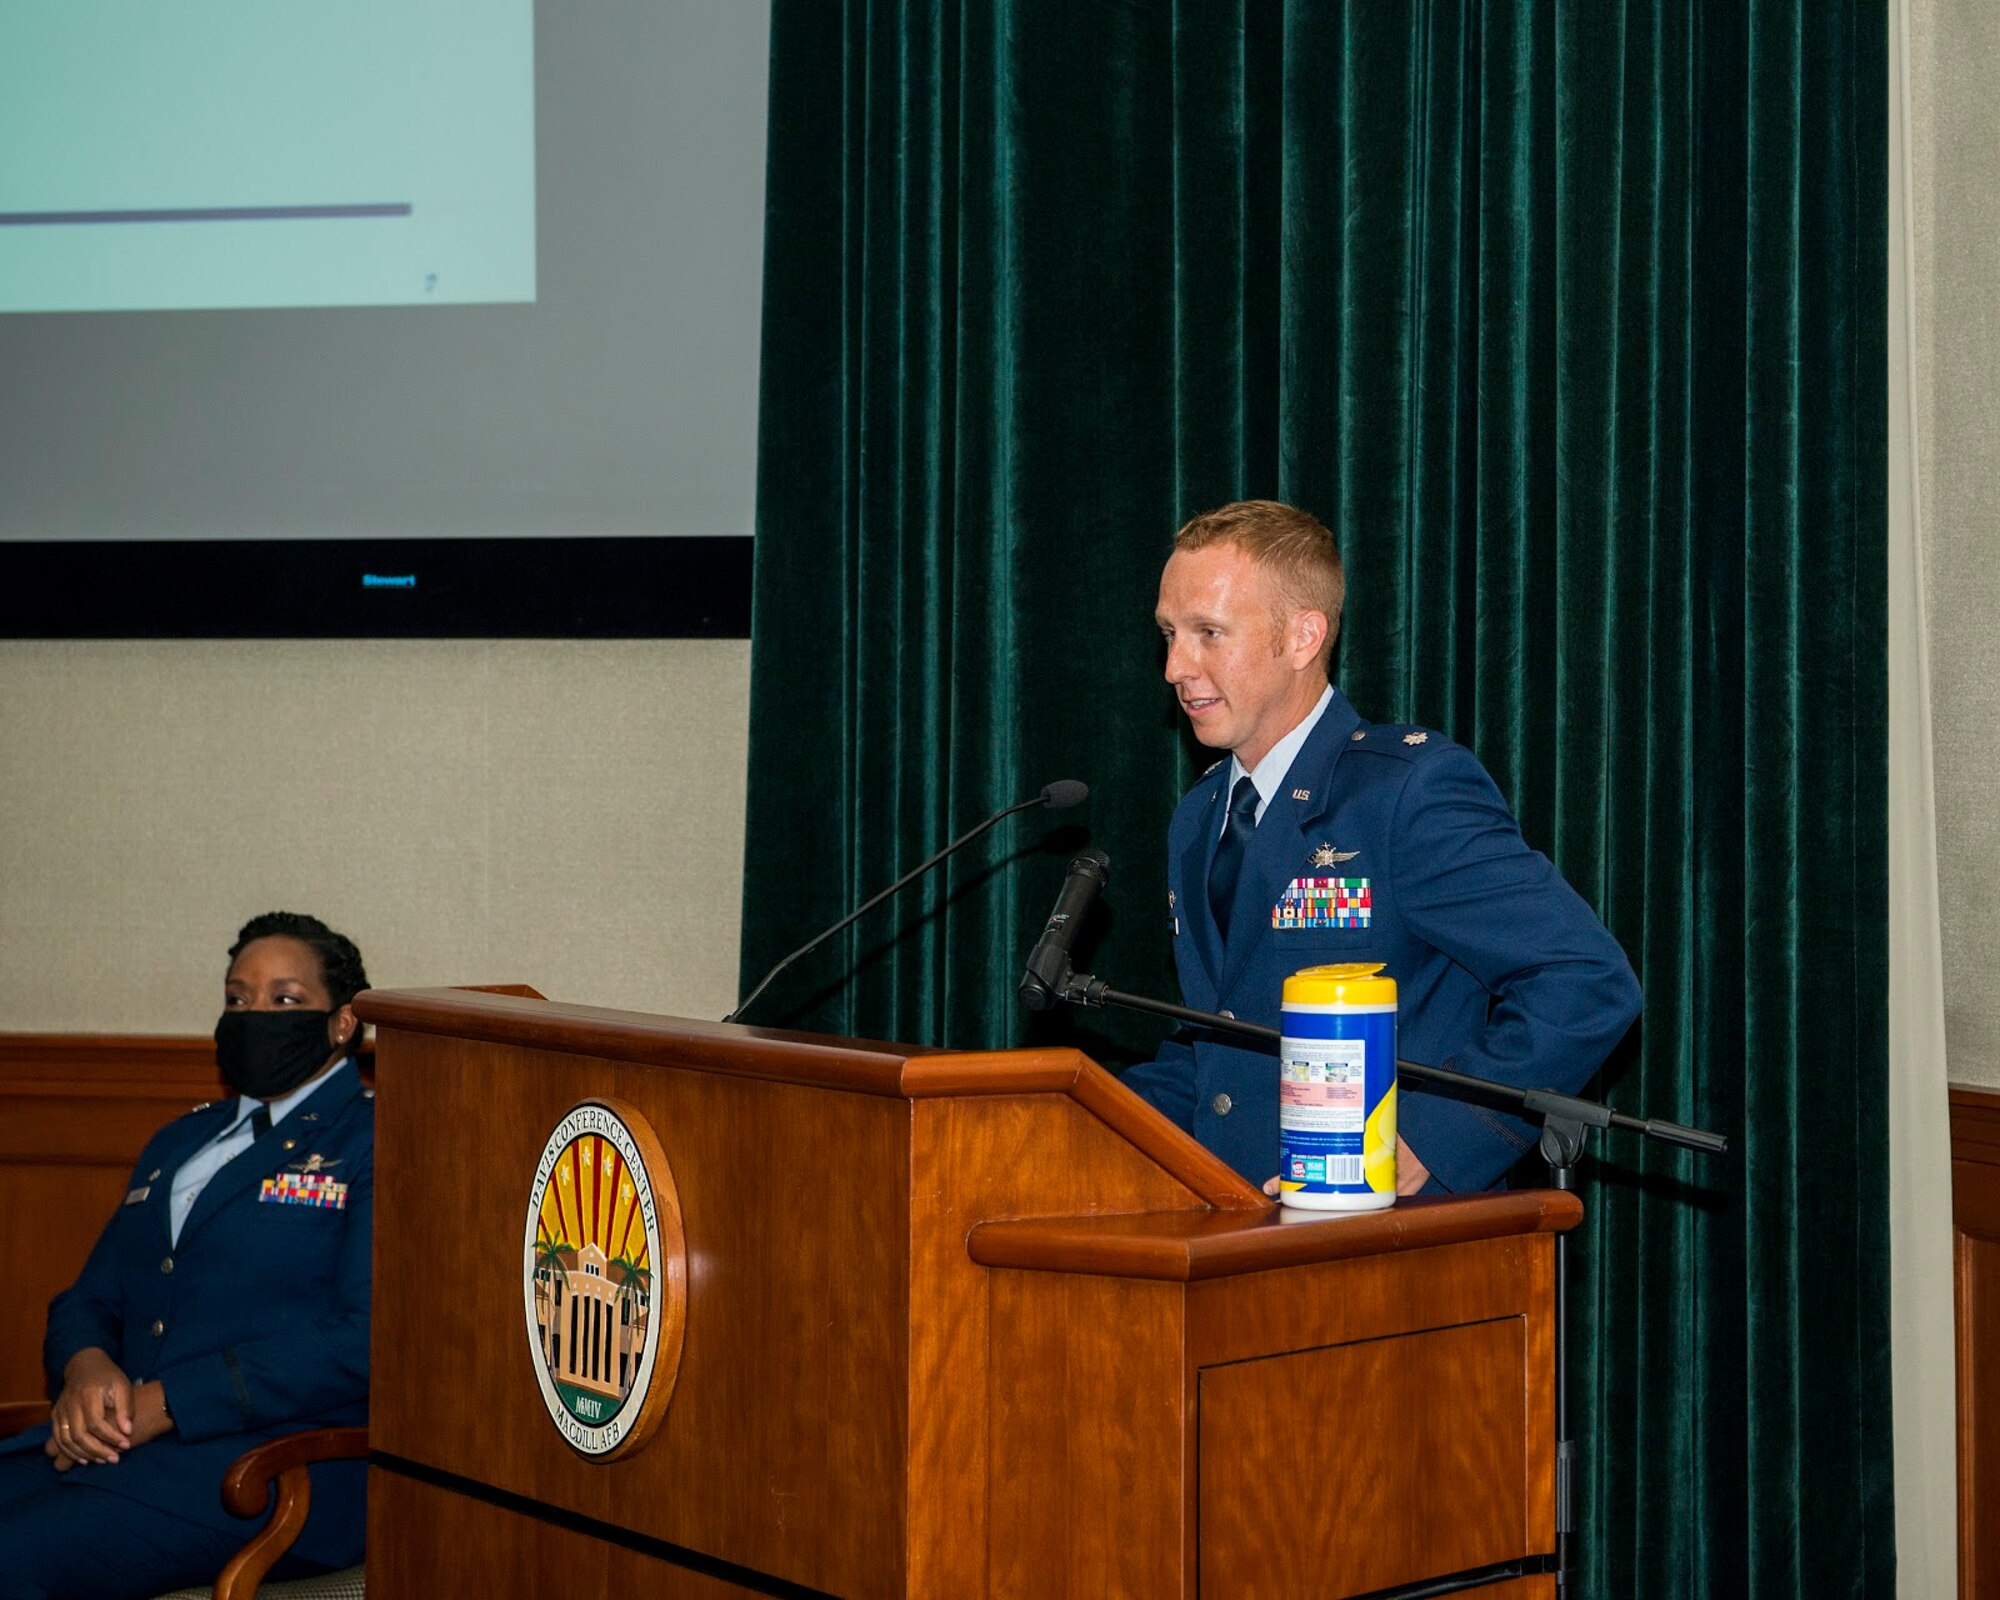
(1270, 773)
(194, 1173)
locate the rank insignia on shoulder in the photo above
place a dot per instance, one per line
(1205, 771)
(1415, 738)
(1326, 856)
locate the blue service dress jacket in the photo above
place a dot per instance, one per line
(255, 1323)
(1502, 971)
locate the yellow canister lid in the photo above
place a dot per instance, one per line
(1348, 983)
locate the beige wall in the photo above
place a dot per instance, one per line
(563, 814)
(1955, 211)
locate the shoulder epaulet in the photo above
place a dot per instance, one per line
(1397, 739)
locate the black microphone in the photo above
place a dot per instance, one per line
(1057, 796)
(1048, 963)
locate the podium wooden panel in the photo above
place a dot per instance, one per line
(956, 1325)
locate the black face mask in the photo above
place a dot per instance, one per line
(265, 1054)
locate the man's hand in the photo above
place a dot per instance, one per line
(92, 1417)
(1411, 1174)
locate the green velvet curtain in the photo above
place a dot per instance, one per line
(1568, 316)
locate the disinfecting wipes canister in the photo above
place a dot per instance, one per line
(1337, 1089)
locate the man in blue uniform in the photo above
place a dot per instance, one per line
(226, 1303)
(1324, 838)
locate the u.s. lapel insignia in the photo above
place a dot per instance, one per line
(1415, 738)
(1302, 794)
(1326, 856)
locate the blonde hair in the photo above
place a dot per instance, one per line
(1293, 546)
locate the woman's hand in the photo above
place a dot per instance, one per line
(149, 1412)
(92, 1417)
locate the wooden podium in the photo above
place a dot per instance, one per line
(948, 1325)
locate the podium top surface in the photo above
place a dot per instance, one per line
(1189, 1246)
(862, 1066)
(846, 1066)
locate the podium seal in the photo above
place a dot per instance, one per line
(604, 1279)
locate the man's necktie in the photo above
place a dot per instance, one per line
(260, 1122)
(1227, 866)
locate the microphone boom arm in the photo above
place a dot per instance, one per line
(1085, 990)
(1058, 796)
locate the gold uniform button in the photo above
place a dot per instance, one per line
(1220, 1105)
(291, 1144)
(167, 1265)
(159, 1327)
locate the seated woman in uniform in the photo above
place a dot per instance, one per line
(225, 1303)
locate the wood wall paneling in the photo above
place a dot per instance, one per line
(75, 1111)
(1975, 1207)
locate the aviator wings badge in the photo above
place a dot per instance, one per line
(1326, 856)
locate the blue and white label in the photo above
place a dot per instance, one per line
(1336, 1100)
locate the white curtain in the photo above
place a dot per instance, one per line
(1920, 1275)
